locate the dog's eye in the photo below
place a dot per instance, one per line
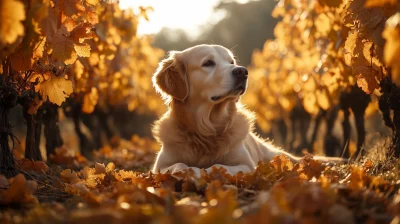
(208, 63)
(232, 62)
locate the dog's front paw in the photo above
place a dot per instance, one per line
(218, 166)
(181, 171)
(177, 167)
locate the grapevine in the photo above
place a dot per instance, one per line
(85, 50)
(322, 53)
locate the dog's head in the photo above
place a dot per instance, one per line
(204, 73)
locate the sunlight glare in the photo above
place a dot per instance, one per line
(189, 15)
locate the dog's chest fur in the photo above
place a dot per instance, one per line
(203, 150)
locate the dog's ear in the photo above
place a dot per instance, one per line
(170, 77)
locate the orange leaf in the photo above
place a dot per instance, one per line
(12, 13)
(69, 176)
(37, 166)
(20, 191)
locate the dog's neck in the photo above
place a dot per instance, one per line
(204, 119)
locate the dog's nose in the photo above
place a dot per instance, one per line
(240, 72)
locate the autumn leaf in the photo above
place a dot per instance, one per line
(82, 32)
(12, 13)
(357, 178)
(55, 89)
(331, 3)
(68, 8)
(67, 47)
(308, 167)
(63, 48)
(379, 3)
(90, 101)
(92, 2)
(69, 176)
(351, 47)
(282, 163)
(19, 191)
(66, 157)
(36, 166)
(323, 99)
(366, 78)
(310, 103)
(38, 48)
(323, 24)
(392, 46)
(100, 168)
(83, 50)
(21, 60)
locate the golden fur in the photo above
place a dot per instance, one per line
(197, 131)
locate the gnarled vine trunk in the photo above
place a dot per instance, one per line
(331, 143)
(8, 99)
(7, 166)
(51, 128)
(357, 101)
(33, 133)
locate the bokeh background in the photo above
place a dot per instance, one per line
(242, 26)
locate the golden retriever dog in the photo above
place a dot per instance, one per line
(206, 125)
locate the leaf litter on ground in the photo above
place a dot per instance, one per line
(278, 191)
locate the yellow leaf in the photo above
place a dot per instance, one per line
(12, 13)
(310, 85)
(83, 50)
(323, 99)
(92, 2)
(56, 89)
(392, 46)
(90, 101)
(310, 103)
(350, 47)
(39, 48)
(323, 24)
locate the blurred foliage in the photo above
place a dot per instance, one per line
(244, 28)
(86, 49)
(321, 49)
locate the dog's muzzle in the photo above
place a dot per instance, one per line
(241, 74)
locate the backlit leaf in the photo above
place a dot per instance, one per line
(55, 89)
(12, 13)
